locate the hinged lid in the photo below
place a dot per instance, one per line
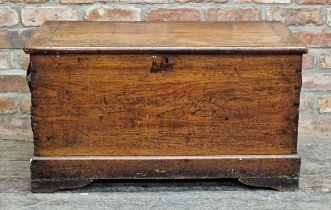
(137, 37)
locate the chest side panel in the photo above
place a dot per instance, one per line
(85, 104)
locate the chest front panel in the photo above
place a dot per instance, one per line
(165, 104)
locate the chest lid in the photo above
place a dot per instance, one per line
(138, 37)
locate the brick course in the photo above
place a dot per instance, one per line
(36, 16)
(315, 38)
(113, 14)
(309, 19)
(316, 81)
(326, 60)
(4, 40)
(178, 14)
(314, 126)
(13, 83)
(18, 37)
(8, 17)
(309, 61)
(296, 16)
(233, 14)
(6, 60)
(25, 105)
(306, 104)
(15, 126)
(7, 105)
(324, 104)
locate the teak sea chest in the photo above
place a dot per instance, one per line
(171, 100)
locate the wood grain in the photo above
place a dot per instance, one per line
(142, 37)
(85, 104)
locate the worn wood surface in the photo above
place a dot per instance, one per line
(202, 105)
(162, 167)
(53, 173)
(138, 37)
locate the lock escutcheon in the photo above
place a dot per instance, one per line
(161, 67)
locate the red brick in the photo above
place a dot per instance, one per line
(178, 14)
(306, 104)
(233, 14)
(298, 16)
(15, 126)
(36, 16)
(13, 83)
(7, 105)
(17, 38)
(314, 126)
(4, 39)
(6, 60)
(326, 60)
(265, 1)
(23, 60)
(324, 104)
(113, 14)
(25, 104)
(316, 81)
(80, 1)
(309, 61)
(313, 1)
(315, 38)
(8, 17)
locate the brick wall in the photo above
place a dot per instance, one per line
(309, 19)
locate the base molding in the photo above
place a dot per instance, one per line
(280, 172)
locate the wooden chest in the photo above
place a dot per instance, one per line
(172, 100)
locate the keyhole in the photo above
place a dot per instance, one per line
(166, 60)
(164, 65)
